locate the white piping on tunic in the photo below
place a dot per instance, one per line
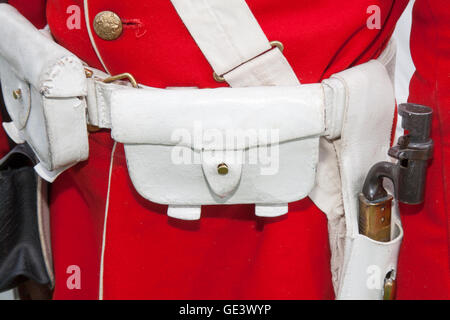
(100, 287)
(91, 37)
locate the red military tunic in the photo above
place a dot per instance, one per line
(230, 253)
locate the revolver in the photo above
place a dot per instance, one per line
(413, 150)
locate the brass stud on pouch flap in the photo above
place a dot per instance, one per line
(222, 169)
(107, 25)
(17, 94)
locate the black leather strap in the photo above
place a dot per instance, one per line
(21, 255)
(20, 156)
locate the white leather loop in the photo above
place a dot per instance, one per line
(271, 210)
(99, 102)
(99, 95)
(230, 37)
(335, 95)
(189, 213)
(98, 113)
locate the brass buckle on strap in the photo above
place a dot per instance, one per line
(278, 44)
(88, 72)
(122, 76)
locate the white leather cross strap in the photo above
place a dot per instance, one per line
(43, 86)
(98, 98)
(234, 44)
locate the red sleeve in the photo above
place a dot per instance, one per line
(424, 263)
(33, 10)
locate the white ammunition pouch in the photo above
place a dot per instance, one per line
(190, 147)
(175, 141)
(43, 86)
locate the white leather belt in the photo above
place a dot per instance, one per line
(99, 95)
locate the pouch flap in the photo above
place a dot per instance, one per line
(16, 93)
(174, 117)
(222, 183)
(38, 60)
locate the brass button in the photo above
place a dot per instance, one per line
(107, 25)
(222, 169)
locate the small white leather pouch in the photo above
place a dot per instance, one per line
(44, 88)
(191, 147)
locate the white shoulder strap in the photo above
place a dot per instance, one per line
(234, 44)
